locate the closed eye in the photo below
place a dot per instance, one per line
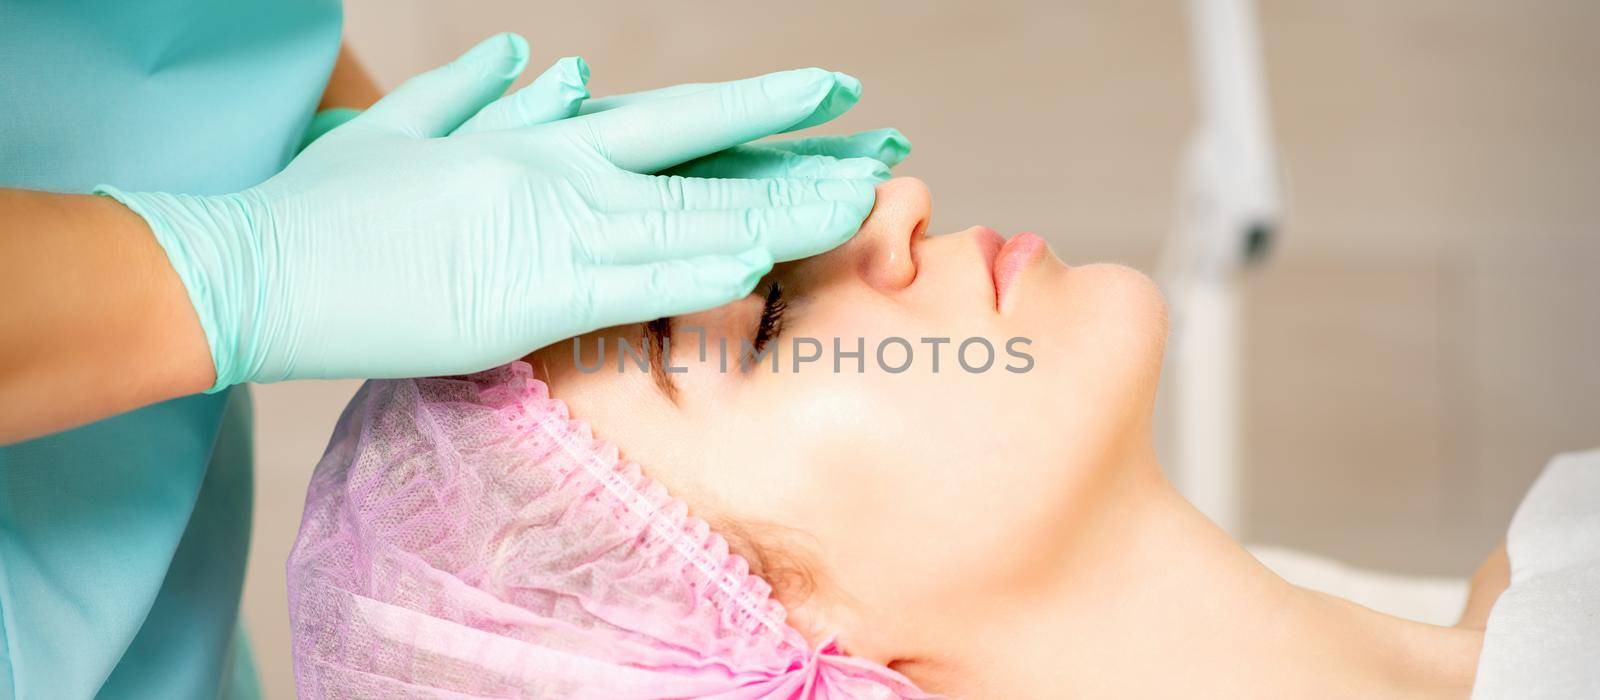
(771, 325)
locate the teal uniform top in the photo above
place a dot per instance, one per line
(123, 542)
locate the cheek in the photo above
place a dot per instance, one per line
(795, 439)
(901, 480)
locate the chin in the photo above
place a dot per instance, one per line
(1114, 299)
(1146, 297)
(1146, 309)
(1110, 325)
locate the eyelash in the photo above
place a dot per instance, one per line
(771, 316)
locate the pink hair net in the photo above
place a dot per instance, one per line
(464, 537)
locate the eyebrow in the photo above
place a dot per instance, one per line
(654, 334)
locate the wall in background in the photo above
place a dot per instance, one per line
(1424, 339)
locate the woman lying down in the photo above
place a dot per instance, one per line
(876, 519)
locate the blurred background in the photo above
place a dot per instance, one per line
(1425, 335)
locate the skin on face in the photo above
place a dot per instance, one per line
(909, 494)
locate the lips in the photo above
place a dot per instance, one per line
(989, 243)
(1007, 259)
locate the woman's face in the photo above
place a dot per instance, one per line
(903, 494)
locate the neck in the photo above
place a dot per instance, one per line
(1152, 599)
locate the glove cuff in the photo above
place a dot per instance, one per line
(210, 244)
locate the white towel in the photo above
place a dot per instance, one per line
(1543, 635)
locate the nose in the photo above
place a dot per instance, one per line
(883, 252)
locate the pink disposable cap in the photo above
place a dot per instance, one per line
(465, 537)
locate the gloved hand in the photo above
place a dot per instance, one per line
(864, 154)
(555, 94)
(400, 245)
(868, 154)
(561, 91)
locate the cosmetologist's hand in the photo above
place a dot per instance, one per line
(445, 230)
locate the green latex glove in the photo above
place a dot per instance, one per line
(816, 156)
(556, 94)
(324, 121)
(866, 154)
(561, 91)
(439, 232)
